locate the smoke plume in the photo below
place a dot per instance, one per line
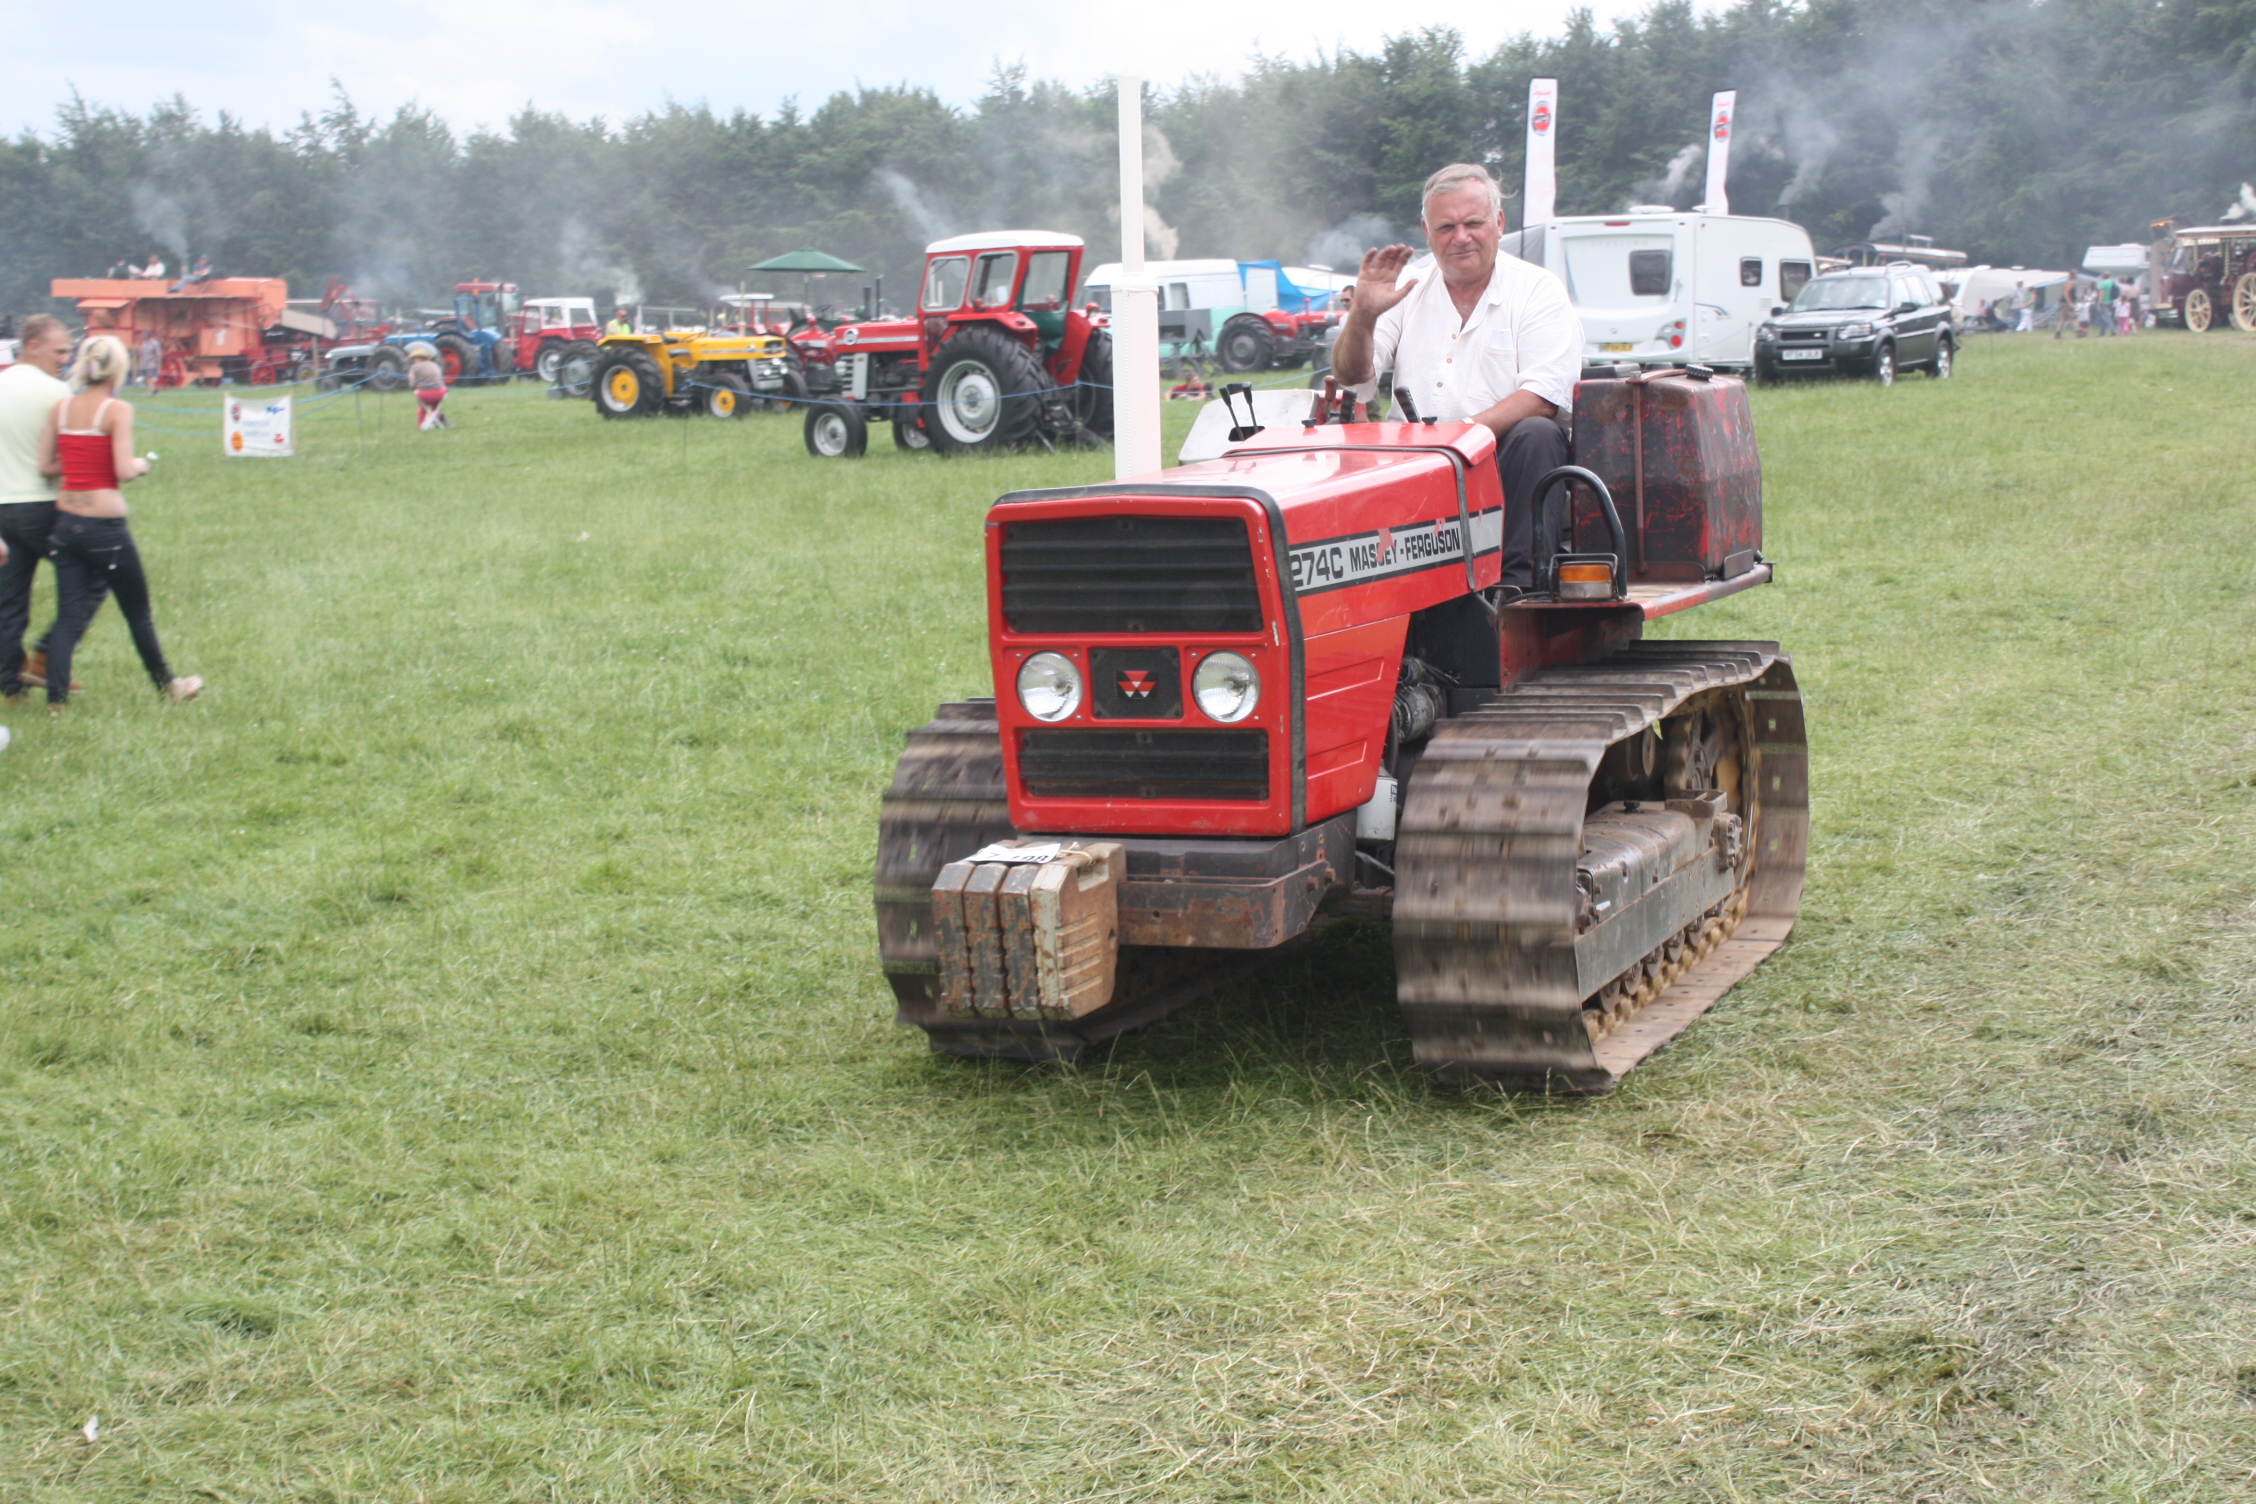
(1342, 246)
(582, 265)
(1669, 187)
(909, 199)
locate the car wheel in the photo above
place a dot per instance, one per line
(1940, 366)
(1884, 365)
(837, 433)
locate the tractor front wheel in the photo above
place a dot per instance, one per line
(627, 385)
(724, 396)
(575, 367)
(387, 368)
(549, 358)
(458, 358)
(980, 393)
(837, 432)
(908, 429)
(1092, 394)
(1246, 345)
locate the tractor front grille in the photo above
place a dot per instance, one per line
(1084, 575)
(1144, 764)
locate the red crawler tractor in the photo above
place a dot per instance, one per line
(1240, 697)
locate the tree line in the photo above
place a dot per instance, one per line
(2018, 130)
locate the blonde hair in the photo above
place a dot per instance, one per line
(101, 360)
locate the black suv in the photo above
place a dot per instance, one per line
(1868, 320)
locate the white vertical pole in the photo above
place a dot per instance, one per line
(1135, 309)
(1719, 150)
(1542, 179)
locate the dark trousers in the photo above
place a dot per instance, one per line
(93, 557)
(1530, 448)
(24, 527)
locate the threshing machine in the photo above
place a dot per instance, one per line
(1238, 698)
(239, 329)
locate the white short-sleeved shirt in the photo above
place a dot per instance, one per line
(27, 396)
(1524, 334)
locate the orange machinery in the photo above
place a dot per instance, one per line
(227, 328)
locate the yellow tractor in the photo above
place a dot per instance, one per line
(719, 374)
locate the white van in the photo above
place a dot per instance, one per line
(1670, 286)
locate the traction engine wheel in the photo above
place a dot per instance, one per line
(979, 394)
(2244, 303)
(1246, 345)
(458, 358)
(627, 385)
(2200, 310)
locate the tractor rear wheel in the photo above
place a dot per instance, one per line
(627, 385)
(503, 354)
(387, 368)
(724, 396)
(2200, 310)
(2244, 303)
(979, 395)
(458, 358)
(1092, 394)
(837, 432)
(1246, 345)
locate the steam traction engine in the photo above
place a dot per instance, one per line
(1242, 696)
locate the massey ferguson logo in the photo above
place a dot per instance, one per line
(1723, 125)
(1542, 119)
(1136, 683)
(1440, 543)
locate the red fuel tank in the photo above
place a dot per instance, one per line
(1678, 454)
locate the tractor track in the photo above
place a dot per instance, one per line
(1486, 906)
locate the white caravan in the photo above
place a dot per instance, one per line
(1670, 286)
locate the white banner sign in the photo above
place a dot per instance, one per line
(257, 427)
(1719, 150)
(1540, 199)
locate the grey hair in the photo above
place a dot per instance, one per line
(101, 359)
(1456, 175)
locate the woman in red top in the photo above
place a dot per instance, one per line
(89, 443)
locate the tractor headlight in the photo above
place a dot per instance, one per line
(1049, 686)
(1226, 687)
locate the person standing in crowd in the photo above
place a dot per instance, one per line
(2103, 319)
(29, 391)
(427, 378)
(2025, 309)
(88, 444)
(152, 360)
(2126, 312)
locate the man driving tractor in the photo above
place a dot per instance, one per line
(620, 324)
(1491, 340)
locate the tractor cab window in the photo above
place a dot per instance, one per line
(1045, 281)
(944, 283)
(991, 285)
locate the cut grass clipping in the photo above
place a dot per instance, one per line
(449, 1062)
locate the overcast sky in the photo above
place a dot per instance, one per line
(265, 61)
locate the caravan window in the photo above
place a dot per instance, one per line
(1649, 273)
(1178, 295)
(1793, 276)
(1750, 271)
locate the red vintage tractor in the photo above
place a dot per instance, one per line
(1241, 698)
(994, 358)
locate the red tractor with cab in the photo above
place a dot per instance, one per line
(995, 356)
(1238, 700)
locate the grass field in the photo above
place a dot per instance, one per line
(449, 1061)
